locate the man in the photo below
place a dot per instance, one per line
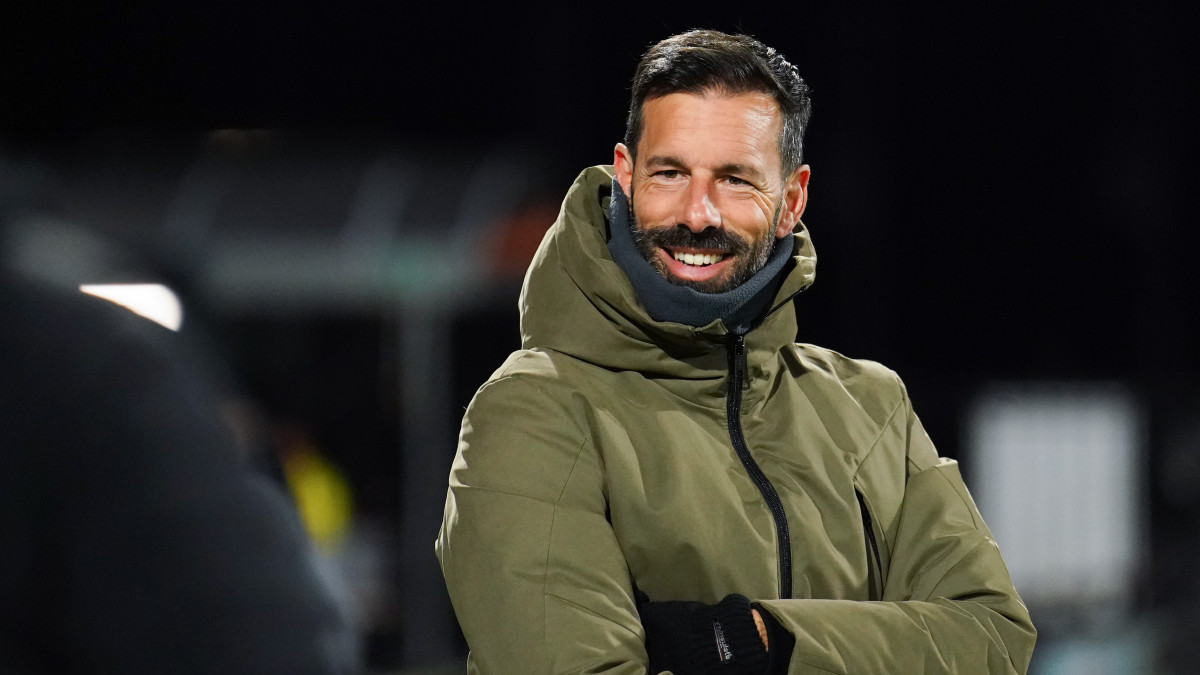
(661, 480)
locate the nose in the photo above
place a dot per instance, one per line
(699, 212)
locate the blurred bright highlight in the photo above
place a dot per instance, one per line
(153, 301)
(1060, 488)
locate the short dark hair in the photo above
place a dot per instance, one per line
(700, 61)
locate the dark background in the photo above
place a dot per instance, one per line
(996, 189)
(1000, 192)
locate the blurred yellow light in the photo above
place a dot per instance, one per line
(153, 301)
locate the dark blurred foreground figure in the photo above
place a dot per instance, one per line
(131, 540)
(662, 479)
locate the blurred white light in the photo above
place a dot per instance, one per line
(153, 301)
(1058, 468)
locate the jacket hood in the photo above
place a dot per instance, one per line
(577, 301)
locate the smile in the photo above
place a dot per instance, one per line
(698, 259)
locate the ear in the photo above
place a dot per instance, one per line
(623, 167)
(795, 198)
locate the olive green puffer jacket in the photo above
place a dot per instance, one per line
(615, 453)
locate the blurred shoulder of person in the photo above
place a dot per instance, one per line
(133, 538)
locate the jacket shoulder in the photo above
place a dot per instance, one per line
(528, 385)
(875, 388)
(518, 434)
(531, 369)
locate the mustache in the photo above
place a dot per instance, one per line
(682, 237)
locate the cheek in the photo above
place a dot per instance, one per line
(750, 217)
(653, 210)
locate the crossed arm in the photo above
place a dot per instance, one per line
(539, 582)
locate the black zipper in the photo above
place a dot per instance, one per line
(733, 407)
(875, 573)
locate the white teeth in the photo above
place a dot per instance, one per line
(701, 259)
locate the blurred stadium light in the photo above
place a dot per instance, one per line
(1061, 469)
(1062, 489)
(153, 301)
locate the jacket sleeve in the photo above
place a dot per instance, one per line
(948, 603)
(535, 574)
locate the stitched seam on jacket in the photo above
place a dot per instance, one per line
(882, 430)
(572, 603)
(961, 498)
(557, 504)
(507, 373)
(814, 667)
(550, 552)
(505, 492)
(532, 384)
(593, 613)
(957, 563)
(1000, 643)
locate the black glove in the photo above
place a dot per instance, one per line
(691, 638)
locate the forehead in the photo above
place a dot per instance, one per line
(713, 126)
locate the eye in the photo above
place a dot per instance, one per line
(668, 174)
(734, 180)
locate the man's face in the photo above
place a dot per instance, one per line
(707, 192)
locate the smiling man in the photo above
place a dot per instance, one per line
(708, 214)
(662, 479)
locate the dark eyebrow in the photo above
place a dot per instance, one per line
(664, 160)
(739, 170)
(725, 169)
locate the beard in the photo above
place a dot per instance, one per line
(747, 257)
